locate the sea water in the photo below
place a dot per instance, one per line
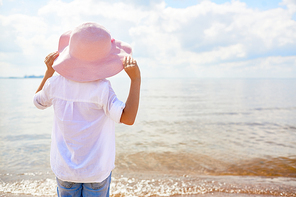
(208, 137)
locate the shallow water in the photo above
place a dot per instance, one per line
(192, 137)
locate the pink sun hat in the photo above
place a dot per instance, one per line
(88, 53)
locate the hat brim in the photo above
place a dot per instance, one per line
(82, 71)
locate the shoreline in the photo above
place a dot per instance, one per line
(147, 184)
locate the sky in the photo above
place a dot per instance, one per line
(170, 38)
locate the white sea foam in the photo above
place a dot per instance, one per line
(127, 186)
(45, 187)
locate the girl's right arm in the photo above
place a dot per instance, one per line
(129, 113)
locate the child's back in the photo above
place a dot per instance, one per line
(82, 148)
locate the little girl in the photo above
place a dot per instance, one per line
(86, 108)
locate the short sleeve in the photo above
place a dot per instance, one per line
(112, 106)
(42, 98)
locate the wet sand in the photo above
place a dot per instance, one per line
(193, 195)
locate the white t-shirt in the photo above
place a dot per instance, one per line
(83, 135)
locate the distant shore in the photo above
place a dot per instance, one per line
(24, 77)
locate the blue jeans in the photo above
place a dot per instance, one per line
(70, 189)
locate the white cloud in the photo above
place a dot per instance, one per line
(291, 5)
(170, 41)
(29, 32)
(207, 34)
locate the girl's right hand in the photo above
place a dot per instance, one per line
(49, 59)
(131, 68)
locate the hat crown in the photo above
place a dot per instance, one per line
(90, 42)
